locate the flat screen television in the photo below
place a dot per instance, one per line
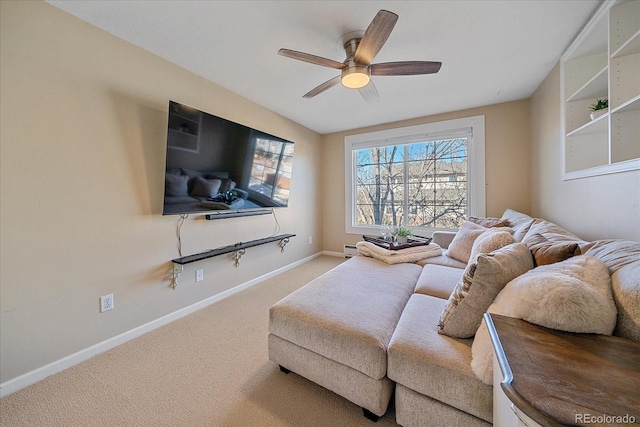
(214, 165)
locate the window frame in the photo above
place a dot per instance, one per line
(472, 127)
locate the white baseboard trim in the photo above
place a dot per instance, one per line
(38, 374)
(330, 253)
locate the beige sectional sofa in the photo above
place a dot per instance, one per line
(366, 329)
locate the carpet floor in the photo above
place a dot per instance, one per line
(209, 368)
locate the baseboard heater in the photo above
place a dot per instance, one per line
(350, 250)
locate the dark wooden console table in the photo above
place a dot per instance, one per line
(560, 378)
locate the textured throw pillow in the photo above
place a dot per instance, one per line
(205, 187)
(519, 222)
(544, 252)
(490, 240)
(481, 282)
(461, 245)
(175, 185)
(615, 253)
(553, 232)
(573, 295)
(489, 222)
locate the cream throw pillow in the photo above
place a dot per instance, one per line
(460, 246)
(491, 240)
(482, 280)
(573, 295)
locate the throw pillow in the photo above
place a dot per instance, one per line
(481, 282)
(544, 252)
(175, 185)
(205, 187)
(460, 246)
(553, 232)
(489, 222)
(519, 222)
(573, 295)
(615, 253)
(490, 240)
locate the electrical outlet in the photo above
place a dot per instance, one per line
(310, 239)
(106, 303)
(199, 275)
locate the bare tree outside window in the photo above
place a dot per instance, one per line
(420, 184)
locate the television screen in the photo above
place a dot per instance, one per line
(214, 164)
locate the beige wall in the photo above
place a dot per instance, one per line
(599, 207)
(83, 130)
(507, 165)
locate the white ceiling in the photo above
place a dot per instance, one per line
(492, 51)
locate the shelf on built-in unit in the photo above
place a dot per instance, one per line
(630, 47)
(596, 87)
(631, 105)
(598, 125)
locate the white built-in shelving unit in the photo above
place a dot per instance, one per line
(603, 62)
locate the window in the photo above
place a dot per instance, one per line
(427, 177)
(271, 169)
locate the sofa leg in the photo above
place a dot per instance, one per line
(285, 370)
(370, 415)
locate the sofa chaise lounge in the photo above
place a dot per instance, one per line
(366, 328)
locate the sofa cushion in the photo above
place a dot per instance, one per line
(443, 238)
(553, 232)
(490, 240)
(443, 260)
(614, 253)
(415, 409)
(349, 313)
(573, 295)
(489, 222)
(545, 252)
(480, 284)
(622, 258)
(438, 280)
(460, 247)
(519, 222)
(436, 365)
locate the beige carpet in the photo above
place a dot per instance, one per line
(210, 368)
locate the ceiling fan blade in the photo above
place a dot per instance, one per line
(324, 86)
(369, 92)
(313, 59)
(404, 68)
(375, 36)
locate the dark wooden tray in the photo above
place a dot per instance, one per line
(424, 241)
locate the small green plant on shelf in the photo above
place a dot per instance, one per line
(600, 104)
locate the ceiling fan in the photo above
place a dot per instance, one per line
(357, 69)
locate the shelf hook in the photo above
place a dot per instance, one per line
(177, 271)
(237, 255)
(282, 243)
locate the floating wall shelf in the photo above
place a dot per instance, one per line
(237, 249)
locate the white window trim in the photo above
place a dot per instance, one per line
(429, 132)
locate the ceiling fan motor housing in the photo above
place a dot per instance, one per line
(355, 75)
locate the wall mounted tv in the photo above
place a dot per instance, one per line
(217, 166)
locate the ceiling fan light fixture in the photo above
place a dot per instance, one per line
(355, 76)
